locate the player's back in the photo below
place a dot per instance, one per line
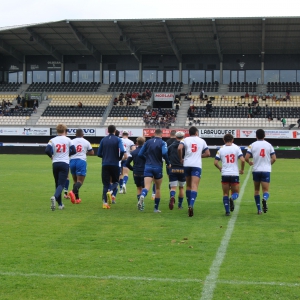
(138, 162)
(153, 151)
(229, 156)
(82, 146)
(261, 152)
(109, 149)
(194, 147)
(61, 148)
(127, 143)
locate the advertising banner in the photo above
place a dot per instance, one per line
(34, 131)
(270, 134)
(163, 96)
(72, 131)
(9, 131)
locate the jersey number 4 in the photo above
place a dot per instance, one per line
(61, 148)
(262, 153)
(230, 158)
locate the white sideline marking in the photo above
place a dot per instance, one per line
(211, 279)
(114, 277)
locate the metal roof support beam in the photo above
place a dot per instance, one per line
(88, 45)
(263, 38)
(50, 49)
(217, 41)
(128, 42)
(172, 42)
(12, 51)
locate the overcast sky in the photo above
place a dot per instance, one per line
(20, 12)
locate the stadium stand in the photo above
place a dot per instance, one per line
(66, 87)
(206, 86)
(130, 87)
(9, 87)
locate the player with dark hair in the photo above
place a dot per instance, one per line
(264, 156)
(176, 173)
(78, 164)
(154, 150)
(195, 149)
(229, 155)
(138, 166)
(59, 149)
(111, 151)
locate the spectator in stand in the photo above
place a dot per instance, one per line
(18, 99)
(23, 102)
(148, 93)
(283, 121)
(208, 108)
(129, 101)
(288, 92)
(269, 115)
(274, 97)
(116, 101)
(250, 111)
(35, 106)
(79, 105)
(202, 94)
(246, 95)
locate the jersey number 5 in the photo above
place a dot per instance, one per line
(61, 148)
(194, 148)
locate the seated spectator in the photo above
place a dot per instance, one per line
(208, 108)
(288, 92)
(79, 105)
(288, 98)
(116, 101)
(274, 97)
(246, 95)
(260, 95)
(269, 115)
(129, 101)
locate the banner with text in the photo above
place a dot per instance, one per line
(163, 96)
(270, 134)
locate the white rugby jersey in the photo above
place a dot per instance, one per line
(127, 143)
(61, 146)
(82, 146)
(261, 152)
(194, 146)
(229, 156)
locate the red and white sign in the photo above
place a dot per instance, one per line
(164, 96)
(270, 134)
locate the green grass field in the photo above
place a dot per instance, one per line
(86, 252)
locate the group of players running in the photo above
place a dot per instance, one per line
(183, 158)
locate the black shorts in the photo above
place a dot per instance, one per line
(110, 174)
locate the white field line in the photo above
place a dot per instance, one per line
(134, 278)
(211, 279)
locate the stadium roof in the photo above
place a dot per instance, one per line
(272, 35)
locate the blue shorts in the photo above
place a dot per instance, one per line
(192, 171)
(261, 176)
(138, 180)
(151, 171)
(176, 174)
(78, 167)
(227, 179)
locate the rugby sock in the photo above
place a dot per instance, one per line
(105, 190)
(138, 196)
(121, 183)
(193, 198)
(257, 201)
(188, 196)
(180, 200)
(66, 188)
(157, 200)
(234, 196)
(115, 191)
(226, 203)
(125, 179)
(76, 188)
(144, 192)
(172, 193)
(266, 196)
(153, 188)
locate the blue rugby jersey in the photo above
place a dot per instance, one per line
(111, 150)
(138, 162)
(154, 150)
